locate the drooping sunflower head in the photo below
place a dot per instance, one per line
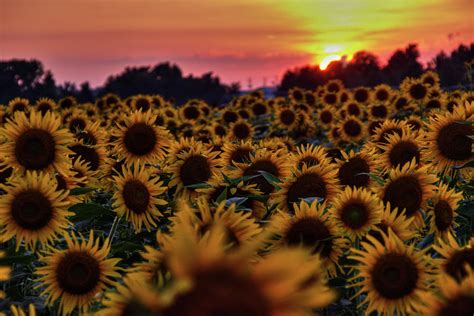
(357, 211)
(354, 169)
(408, 188)
(35, 142)
(18, 105)
(316, 182)
(140, 139)
(391, 274)
(137, 196)
(75, 275)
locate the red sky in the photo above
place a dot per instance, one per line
(83, 40)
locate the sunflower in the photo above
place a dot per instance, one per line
(382, 93)
(327, 116)
(387, 128)
(309, 155)
(353, 169)
(241, 130)
(334, 85)
(92, 135)
(263, 160)
(311, 227)
(362, 95)
(67, 103)
(140, 139)
(443, 210)
(414, 89)
(33, 210)
(35, 142)
(269, 286)
(330, 99)
(430, 78)
(310, 99)
(239, 152)
(352, 129)
(456, 260)
(296, 94)
(191, 167)
(408, 188)
(229, 115)
(4, 274)
(259, 108)
(133, 297)
(43, 105)
(136, 196)
(74, 276)
(354, 109)
(449, 141)
(400, 103)
(400, 150)
(77, 121)
(286, 118)
(18, 311)
(392, 275)
(435, 104)
(18, 105)
(356, 211)
(415, 123)
(318, 181)
(141, 103)
(93, 156)
(379, 111)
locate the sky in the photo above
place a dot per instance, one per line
(87, 40)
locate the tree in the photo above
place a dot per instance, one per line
(402, 64)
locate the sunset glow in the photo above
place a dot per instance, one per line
(236, 39)
(327, 60)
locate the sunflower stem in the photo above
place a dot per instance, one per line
(113, 229)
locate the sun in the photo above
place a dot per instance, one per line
(327, 60)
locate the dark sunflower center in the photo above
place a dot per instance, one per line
(76, 125)
(287, 117)
(454, 142)
(140, 139)
(401, 103)
(136, 196)
(241, 131)
(429, 80)
(451, 105)
(78, 273)
(232, 293)
(353, 109)
(312, 233)
(307, 185)
(394, 276)
(361, 95)
(334, 153)
(418, 91)
(262, 165)
(382, 95)
(352, 128)
(460, 305)
(333, 87)
(66, 103)
(309, 161)
(433, 104)
(443, 215)
(19, 107)
(61, 182)
(455, 265)
(355, 215)
(191, 112)
(326, 117)
(404, 193)
(134, 308)
(142, 104)
(414, 124)
(31, 210)
(350, 173)
(259, 109)
(297, 95)
(195, 169)
(244, 114)
(310, 99)
(220, 130)
(86, 153)
(44, 108)
(230, 116)
(373, 126)
(5, 175)
(87, 137)
(379, 111)
(35, 149)
(240, 155)
(404, 152)
(330, 98)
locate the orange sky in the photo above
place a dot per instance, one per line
(88, 39)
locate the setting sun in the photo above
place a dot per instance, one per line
(327, 60)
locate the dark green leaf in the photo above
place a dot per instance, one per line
(85, 211)
(374, 177)
(125, 246)
(222, 196)
(18, 259)
(270, 178)
(80, 191)
(201, 185)
(468, 164)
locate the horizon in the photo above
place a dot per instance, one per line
(231, 39)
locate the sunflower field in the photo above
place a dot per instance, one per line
(329, 202)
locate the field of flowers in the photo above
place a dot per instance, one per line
(334, 202)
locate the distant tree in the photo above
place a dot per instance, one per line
(362, 70)
(85, 93)
(308, 77)
(452, 68)
(402, 64)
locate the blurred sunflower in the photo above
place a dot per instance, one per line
(392, 275)
(229, 115)
(75, 276)
(309, 155)
(408, 188)
(379, 111)
(443, 210)
(430, 78)
(311, 227)
(141, 140)
(77, 121)
(18, 105)
(354, 169)
(362, 95)
(67, 103)
(456, 260)
(351, 129)
(354, 109)
(327, 116)
(241, 130)
(318, 182)
(334, 85)
(356, 211)
(387, 128)
(415, 123)
(330, 99)
(35, 142)
(286, 118)
(414, 89)
(296, 94)
(141, 103)
(136, 196)
(32, 210)
(44, 105)
(382, 93)
(259, 108)
(239, 152)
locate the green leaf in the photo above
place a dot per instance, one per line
(311, 199)
(236, 200)
(80, 191)
(374, 177)
(260, 198)
(201, 185)
(222, 196)
(270, 178)
(469, 164)
(125, 246)
(85, 211)
(19, 259)
(465, 122)
(467, 209)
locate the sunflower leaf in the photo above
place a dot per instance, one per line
(202, 185)
(80, 191)
(270, 178)
(222, 196)
(125, 246)
(85, 211)
(260, 198)
(465, 122)
(466, 209)
(374, 177)
(243, 178)
(468, 164)
(311, 199)
(236, 200)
